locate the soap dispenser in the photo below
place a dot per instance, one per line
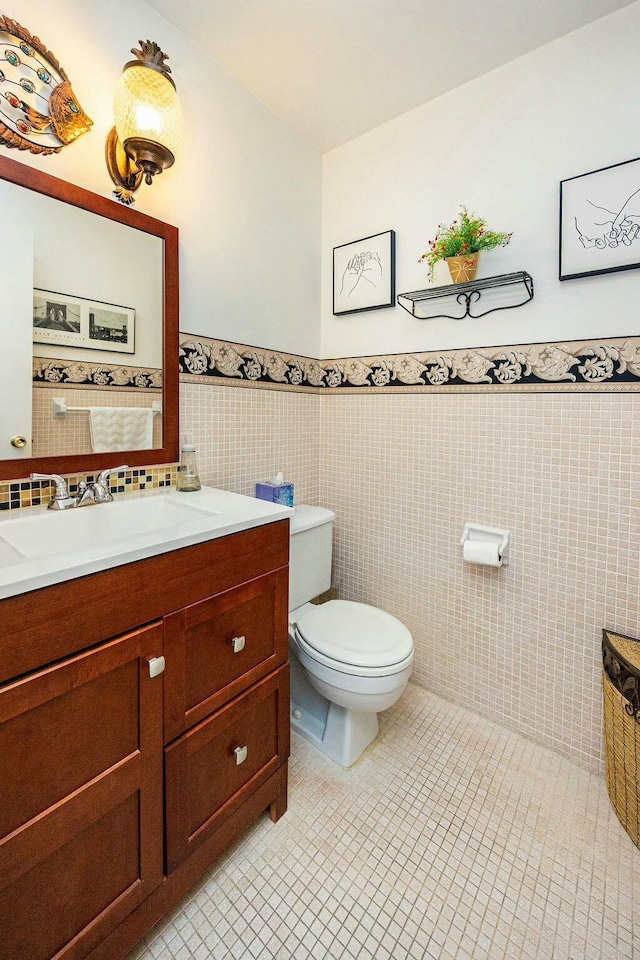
(188, 479)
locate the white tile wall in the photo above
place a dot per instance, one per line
(244, 435)
(518, 644)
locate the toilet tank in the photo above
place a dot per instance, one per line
(310, 556)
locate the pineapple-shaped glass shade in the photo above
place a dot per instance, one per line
(146, 107)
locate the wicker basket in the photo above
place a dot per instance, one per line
(621, 686)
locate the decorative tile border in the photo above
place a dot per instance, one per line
(32, 493)
(232, 362)
(54, 372)
(612, 365)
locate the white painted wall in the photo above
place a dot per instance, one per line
(245, 191)
(500, 145)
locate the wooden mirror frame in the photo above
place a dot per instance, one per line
(32, 179)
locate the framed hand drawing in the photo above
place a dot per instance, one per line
(600, 221)
(364, 274)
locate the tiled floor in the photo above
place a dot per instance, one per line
(450, 838)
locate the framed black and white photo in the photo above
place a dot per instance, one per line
(600, 221)
(364, 274)
(77, 322)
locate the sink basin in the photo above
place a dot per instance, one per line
(40, 547)
(9, 555)
(50, 532)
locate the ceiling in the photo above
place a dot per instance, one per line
(334, 69)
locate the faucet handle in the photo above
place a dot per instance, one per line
(103, 476)
(62, 490)
(101, 488)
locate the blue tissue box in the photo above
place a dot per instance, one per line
(275, 493)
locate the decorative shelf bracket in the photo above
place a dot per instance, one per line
(469, 294)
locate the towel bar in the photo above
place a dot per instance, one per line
(60, 408)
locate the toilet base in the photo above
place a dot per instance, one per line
(344, 735)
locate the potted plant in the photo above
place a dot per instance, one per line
(460, 244)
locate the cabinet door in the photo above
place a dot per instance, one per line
(219, 647)
(210, 770)
(80, 798)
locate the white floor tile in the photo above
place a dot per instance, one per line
(450, 838)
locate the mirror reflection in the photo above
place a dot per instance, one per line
(82, 330)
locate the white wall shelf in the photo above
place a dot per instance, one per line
(467, 295)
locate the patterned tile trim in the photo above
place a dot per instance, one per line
(31, 493)
(46, 371)
(612, 365)
(232, 362)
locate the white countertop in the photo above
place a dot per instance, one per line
(40, 547)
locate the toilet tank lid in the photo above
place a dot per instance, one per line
(305, 517)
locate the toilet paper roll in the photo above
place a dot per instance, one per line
(481, 551)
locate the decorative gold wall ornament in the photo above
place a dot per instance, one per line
(148, 122)
(39, 111)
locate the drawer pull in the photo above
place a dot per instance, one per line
(238, 644)
(156, 666)
(241, 755)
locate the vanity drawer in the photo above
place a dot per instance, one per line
(210, 770)
(219, 647)
(46, 625)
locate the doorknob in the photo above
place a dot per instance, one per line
(18, 441)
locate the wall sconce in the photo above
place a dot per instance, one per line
(148, 122)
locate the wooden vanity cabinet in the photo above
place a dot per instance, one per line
(120, 785)
(80, 798)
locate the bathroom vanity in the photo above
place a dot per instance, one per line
(144, 678)
(123, 775)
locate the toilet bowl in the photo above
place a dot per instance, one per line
(349, 661)
(356, 655)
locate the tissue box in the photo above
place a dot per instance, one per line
(281, 493)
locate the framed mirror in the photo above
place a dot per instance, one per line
(89, 326)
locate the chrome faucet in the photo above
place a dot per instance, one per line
(98, 491)
(88, 493)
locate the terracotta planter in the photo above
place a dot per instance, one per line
(463, 269)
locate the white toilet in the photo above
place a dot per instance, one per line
(349, 660)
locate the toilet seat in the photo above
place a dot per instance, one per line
(355, 638)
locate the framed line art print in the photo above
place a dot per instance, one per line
(364, 274)
(77, 322)
(600, 221)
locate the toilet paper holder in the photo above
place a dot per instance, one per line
(494, 535)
